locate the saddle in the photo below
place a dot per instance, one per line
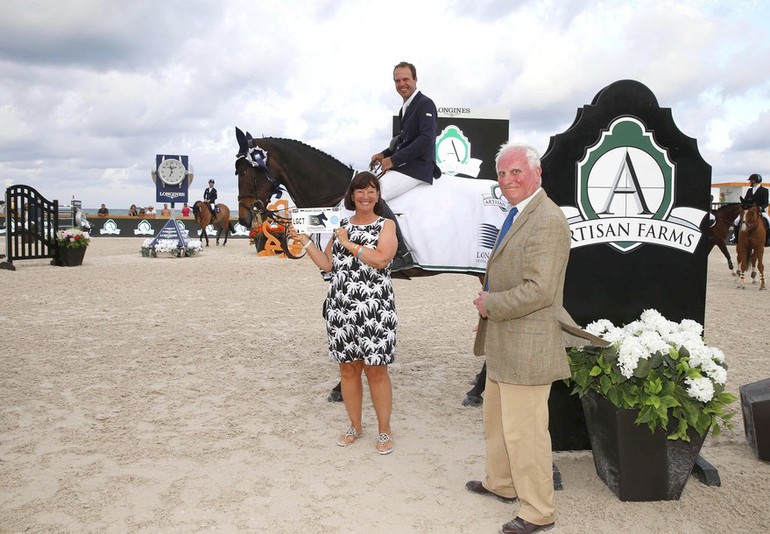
(451, 225)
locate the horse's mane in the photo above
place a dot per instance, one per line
(306, 146)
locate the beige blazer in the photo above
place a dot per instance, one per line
(522, 337)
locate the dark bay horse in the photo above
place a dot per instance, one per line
(204, 218)
(725, 218)
(751, 246)
(313, 179)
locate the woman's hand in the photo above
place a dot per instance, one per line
(296, 236)
(342, 236)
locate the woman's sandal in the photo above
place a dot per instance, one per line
(384, 444)
(349, 437)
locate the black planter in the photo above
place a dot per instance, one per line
(69, 257)
(634, 463)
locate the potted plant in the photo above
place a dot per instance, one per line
(657, 388)
(71, 244)
(257, 237)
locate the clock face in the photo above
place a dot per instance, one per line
(171, 171)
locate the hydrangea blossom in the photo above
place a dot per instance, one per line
(700, 389)
(652, 334)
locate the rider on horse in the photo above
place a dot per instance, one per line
(210, 196)
(410, 160)
(757, 196)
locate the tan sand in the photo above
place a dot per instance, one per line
(189, 395)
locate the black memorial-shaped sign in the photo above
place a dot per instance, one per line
(635, 191)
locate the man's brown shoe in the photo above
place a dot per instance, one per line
(519, 526)
(475, 486)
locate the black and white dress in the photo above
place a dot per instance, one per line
(360, 306)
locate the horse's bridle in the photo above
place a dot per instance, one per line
(257, 158)
(751, 227)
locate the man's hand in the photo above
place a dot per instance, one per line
(479, 303)
(376, 160)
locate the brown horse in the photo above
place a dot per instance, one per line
(221, 222)
(751, 246)
(725, 218)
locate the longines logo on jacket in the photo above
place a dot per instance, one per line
(625, 194)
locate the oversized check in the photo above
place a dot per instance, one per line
(315, 220)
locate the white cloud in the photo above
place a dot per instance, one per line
(92, 89)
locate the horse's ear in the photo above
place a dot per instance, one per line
(243, 146)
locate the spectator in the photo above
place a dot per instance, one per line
(165, 212)
(150, 211)
(132, 211)
(186, 210)
(103, 211)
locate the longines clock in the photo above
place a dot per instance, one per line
(171, 170)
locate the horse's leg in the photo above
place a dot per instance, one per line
(473, 397)
(726, 253)
(205, 233)
(754, 266)
(761, 267)
(226, 229)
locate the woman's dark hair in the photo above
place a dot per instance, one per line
(362, 180)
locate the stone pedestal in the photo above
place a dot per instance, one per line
(755, 405)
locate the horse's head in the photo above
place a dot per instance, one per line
(751, 218)
(254, 191)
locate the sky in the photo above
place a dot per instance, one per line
(92, 90)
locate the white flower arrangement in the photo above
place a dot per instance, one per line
(660, 367)
(73, 238)
(171, 247)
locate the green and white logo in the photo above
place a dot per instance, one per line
(453, 153)
(625, 194)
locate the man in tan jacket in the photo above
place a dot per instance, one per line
(520, 332)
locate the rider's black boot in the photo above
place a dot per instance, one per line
(403, 259)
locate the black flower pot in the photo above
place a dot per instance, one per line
(634, 463)
(69, 257)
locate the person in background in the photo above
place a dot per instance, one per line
(360, 308)
(150, 211)
(186, 210)
(142, 212)
(132, 211)
(210, 196)
(103, 211)
(520, 334)
(756, 195)
(410, 160)
(165, 212)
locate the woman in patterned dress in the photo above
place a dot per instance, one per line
(360, 307)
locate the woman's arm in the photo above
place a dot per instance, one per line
(379, 257)
(322, 258)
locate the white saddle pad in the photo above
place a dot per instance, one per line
(451, 225)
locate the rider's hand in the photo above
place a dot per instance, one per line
(375, 161)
